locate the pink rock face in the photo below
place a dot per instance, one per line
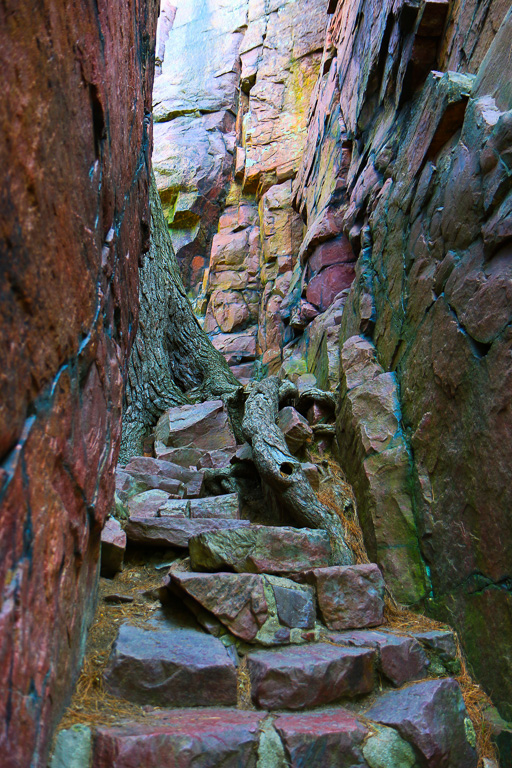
(323, 288)
(308, 676)
(237, 600)
(430, 716)
(204, 425)
(170, 667)
(188, 738)
(236, 347)
(74, 221)
(338, 251)
(349, 596)
(332, 739)
(294, 427)
(113, 545)
(173, 531)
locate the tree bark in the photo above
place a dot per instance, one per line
(282, 472)
(173, 361)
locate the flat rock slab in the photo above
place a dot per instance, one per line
(431, 716)
(169, 667)
(113, 545)
(330, 739)
(212, 738)
(148, 503)
(350, 596)
(174, 531)
(441, 642)
(221, 507)
(203, 425)
(261, 549)
(310, 675)
(166, 476)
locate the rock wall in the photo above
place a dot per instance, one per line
(75, 155)
(408, 158)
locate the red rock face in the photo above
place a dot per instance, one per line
(74, 221)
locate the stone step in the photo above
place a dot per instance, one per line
(213, 738)
(261, 549)
(170, 531)
(169, 667)
(298, 677)
(425, 724)
(156, 503)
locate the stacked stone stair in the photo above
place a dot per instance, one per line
(266, 654)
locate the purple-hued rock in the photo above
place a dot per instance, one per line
(325, 286)
(216, 507)
(308, 676)
(432, 717)
(439, 641)
(188, 739)
(261, 549)
(203, 425)
(236, 599)
(295, 607)
(165, 475)
(350, 596)
(174, 531)
(148, 503)
(294, 427)
(174, 508)
(401, 658)
(170, 667)
(113, 545)
(330, 739)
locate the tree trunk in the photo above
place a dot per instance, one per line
(282, 472)
(173, 361)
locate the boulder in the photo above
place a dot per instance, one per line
(261, 549)
(295, 607)
(113, 545)
(432, 717)
(202, 425)
(170, 667)
(201, 738)
(173, 531)
(309, 675)
(332, 738)
(350, 596)
(237, 600)
(294, 427)
(148, 503)
(174, 508)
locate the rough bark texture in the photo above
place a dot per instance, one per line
(75, 144)
(173, 360)
(281, 471)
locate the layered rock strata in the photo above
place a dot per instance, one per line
(75, 156)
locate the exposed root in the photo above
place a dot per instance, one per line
(244, 686)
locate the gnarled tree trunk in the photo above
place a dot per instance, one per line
(173, 361)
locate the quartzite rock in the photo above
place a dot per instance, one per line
(174, 531)
(401, 658)
(237, 600)
(169, 667)
(432, 717)
(184, 738)
(113, 545)
(158, 473)
(295, 607)
(261, 549)
(349, 596)
(308, 676)
(324, 287)
(330, 739)
(294, 427)
(205, 425)
(440, 642)
(148, 503)
(225, 506)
